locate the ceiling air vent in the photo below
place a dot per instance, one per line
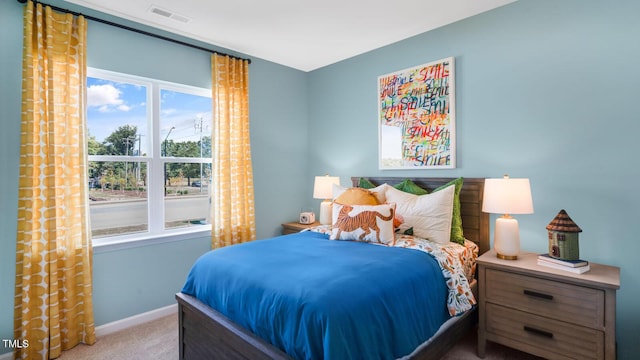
(168, 14)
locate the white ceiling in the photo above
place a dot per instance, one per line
(302, 34)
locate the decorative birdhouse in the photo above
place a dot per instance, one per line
(563, 237)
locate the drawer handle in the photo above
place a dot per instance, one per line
(538, 295)
(538, 332)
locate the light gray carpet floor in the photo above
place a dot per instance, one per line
(158, 340)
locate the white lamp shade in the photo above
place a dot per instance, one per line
(323, 186)
(507, 196)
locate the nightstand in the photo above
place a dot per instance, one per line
(547, 312)
(294, 227)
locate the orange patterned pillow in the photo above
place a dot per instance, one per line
(363, 223)
(357, 196)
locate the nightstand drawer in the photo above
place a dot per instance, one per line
(565, 340)
(556, 300)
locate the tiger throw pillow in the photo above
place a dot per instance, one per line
(368, 223)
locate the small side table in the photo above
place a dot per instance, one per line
(294, 227)
(547, 312)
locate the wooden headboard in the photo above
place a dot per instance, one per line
(475, 223)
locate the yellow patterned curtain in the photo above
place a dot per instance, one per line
(53, 306)
(233, 213)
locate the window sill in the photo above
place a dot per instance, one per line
(101, 245)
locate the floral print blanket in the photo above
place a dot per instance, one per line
(454, 269)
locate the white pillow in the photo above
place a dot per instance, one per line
(430, 215)
(368, 223)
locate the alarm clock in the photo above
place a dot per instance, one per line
(307, 217)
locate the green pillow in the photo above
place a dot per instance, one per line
(410, 187)
(406, 185)
(365, 184)
(457, 235)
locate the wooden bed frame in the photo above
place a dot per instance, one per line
(207, 334)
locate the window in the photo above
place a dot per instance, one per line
(149, 146)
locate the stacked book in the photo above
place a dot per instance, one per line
(574, 266)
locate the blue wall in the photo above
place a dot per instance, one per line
(546, 90)
(10, 78)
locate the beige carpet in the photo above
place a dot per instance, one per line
(158, 340)
(155, 340)
(466, 350)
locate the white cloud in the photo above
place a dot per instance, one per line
(106, 98)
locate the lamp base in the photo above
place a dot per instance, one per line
(325, 212)
(507, 257)
(506, 238)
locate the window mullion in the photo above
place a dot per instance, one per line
(156, 180)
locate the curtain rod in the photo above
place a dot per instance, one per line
(134, 30)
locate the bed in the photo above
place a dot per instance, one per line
(205, 333)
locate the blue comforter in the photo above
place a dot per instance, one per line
(316, 298)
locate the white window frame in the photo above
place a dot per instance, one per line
(156, 232)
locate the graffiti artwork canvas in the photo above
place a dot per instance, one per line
(416, 117)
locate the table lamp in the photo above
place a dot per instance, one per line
(507, 196)
(323, 189)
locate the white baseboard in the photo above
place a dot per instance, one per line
(134, 320)
(122, 324)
